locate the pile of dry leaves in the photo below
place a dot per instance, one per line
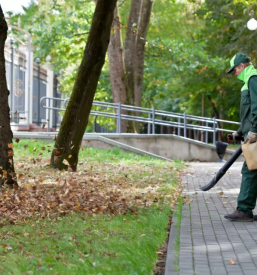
(55, 200)
(104, 188)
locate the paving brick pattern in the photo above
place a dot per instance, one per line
(208, 241)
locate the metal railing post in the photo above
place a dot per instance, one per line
(206, 133)
(153, 125)
(95, 124)
(119, 118)
(179, 120)
(214, 130)
(48, 116)
(29, 80)
(149, 125)
(185, 125)
(38, 91)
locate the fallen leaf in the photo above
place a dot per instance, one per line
(17, 140)
(65, 162)
(10, 145)
(232, 261)
(20, 176)
(221, 193)
(10, 154)
(5, 173)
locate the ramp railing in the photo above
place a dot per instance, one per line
(149, 116)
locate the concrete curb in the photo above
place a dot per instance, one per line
(171, 253)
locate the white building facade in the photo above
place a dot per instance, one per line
(28, 82)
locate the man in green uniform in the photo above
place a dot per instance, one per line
(246, 73)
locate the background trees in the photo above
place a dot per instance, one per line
(187, 43)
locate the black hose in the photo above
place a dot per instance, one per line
(223, 170)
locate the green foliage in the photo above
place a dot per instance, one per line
(225, 27)
(188, 48)
(181, 66)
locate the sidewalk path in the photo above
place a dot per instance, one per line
(208, 241)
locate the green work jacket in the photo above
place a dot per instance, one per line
(248, 104)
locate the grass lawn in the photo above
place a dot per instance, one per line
(110, 217)
(233, 146)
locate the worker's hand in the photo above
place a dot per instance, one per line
(235, 136)
(251, 137)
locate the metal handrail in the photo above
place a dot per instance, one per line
(151, 120)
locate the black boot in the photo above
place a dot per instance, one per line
(240, 216)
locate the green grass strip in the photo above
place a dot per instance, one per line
(102, 244)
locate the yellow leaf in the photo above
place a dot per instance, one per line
(10, 145)
(70, 156)
(5, 173)
(65, 162)
(27, 186)
(232, 261)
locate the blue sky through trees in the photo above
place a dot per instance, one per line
(14, 5)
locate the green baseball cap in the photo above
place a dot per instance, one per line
(237, 60)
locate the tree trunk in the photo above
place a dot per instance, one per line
(130, 47)
(7, 173)
(116, 63)
(143, 23)
(216, 115)
(77, 113)
(144, 20)
(129, 55)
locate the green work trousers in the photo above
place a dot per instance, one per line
(246, 200)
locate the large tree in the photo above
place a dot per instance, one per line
(7, 173)
(127, 62)
(116, 63)
(77, 113)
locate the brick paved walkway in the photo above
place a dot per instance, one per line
(208, 241)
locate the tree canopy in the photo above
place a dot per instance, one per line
(188, 48)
